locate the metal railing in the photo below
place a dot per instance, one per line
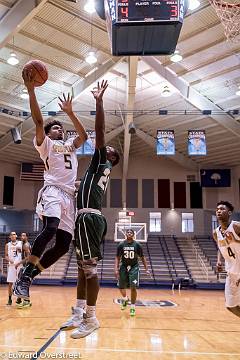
(199, 258)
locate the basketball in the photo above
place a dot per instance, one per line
(39, 71)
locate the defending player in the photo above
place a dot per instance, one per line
(227, 237)
(55, 203)
(91, 225)
(128, 252)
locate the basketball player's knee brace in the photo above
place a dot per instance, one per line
(46, 235)
(90, 272)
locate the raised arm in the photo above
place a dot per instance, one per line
(66, 106)
(100, 118)
(35, 110)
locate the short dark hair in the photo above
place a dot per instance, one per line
(227, 204)
(50, 124)
(116, 161)
(24, 232)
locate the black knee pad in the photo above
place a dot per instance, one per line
(50, 225)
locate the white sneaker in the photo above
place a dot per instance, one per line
(87, 327)
(75, 320)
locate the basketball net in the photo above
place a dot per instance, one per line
(229, 14)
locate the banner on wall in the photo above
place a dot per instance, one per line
(165, 144)
(88, 147)
(197, 142)
(215, 177)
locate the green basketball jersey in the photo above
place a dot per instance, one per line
(129, 252)
(95, 181)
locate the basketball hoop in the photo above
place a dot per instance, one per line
(229, 14)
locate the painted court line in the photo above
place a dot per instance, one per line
(144, 351)
(45, 346)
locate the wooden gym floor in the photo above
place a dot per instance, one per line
(198, 328)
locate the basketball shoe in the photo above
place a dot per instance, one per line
(132, 312)
(124, 304)
(86, 327)
(21, 287)
(75, 320)
(24, 304)
(9, 303)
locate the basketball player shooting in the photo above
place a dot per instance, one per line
(91, 225)
(227, 237)
(55, 204)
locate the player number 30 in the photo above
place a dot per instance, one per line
(129, 254)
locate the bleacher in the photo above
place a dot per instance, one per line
(210, 250)
(168, 258)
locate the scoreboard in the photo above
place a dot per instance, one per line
(148, 11)
(140, 27)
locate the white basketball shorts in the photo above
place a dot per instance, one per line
(232, 290)
(54, 202)
(12, 273)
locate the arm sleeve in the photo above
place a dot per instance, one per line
(99, 158)
(44, 148)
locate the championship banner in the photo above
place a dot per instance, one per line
(88, 147)
(165, 142)
(197, 142)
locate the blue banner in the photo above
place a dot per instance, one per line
(165, 142)
(88, 147)
(215, 177)
(197, 142)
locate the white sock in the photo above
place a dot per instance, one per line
(132, 306)
(81, 303)
(91, 311)
(125, 298)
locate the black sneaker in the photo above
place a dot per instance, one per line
(21, 287)
(18, 301)
(9, 302)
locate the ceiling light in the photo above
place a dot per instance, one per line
(13, 60)
(91, 58)
(166, 91)
(24, 95)
(238, 92)
(193, 4)
(176, 57)
(89, 7)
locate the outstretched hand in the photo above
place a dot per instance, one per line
(99, 90)
(66, 103)
(28, 78)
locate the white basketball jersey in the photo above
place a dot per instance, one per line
(60, 161)
(15, 251)
(230, 249)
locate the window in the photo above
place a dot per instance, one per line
(154, 221)
(35, 222)
(214, 222)
(187, 222)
